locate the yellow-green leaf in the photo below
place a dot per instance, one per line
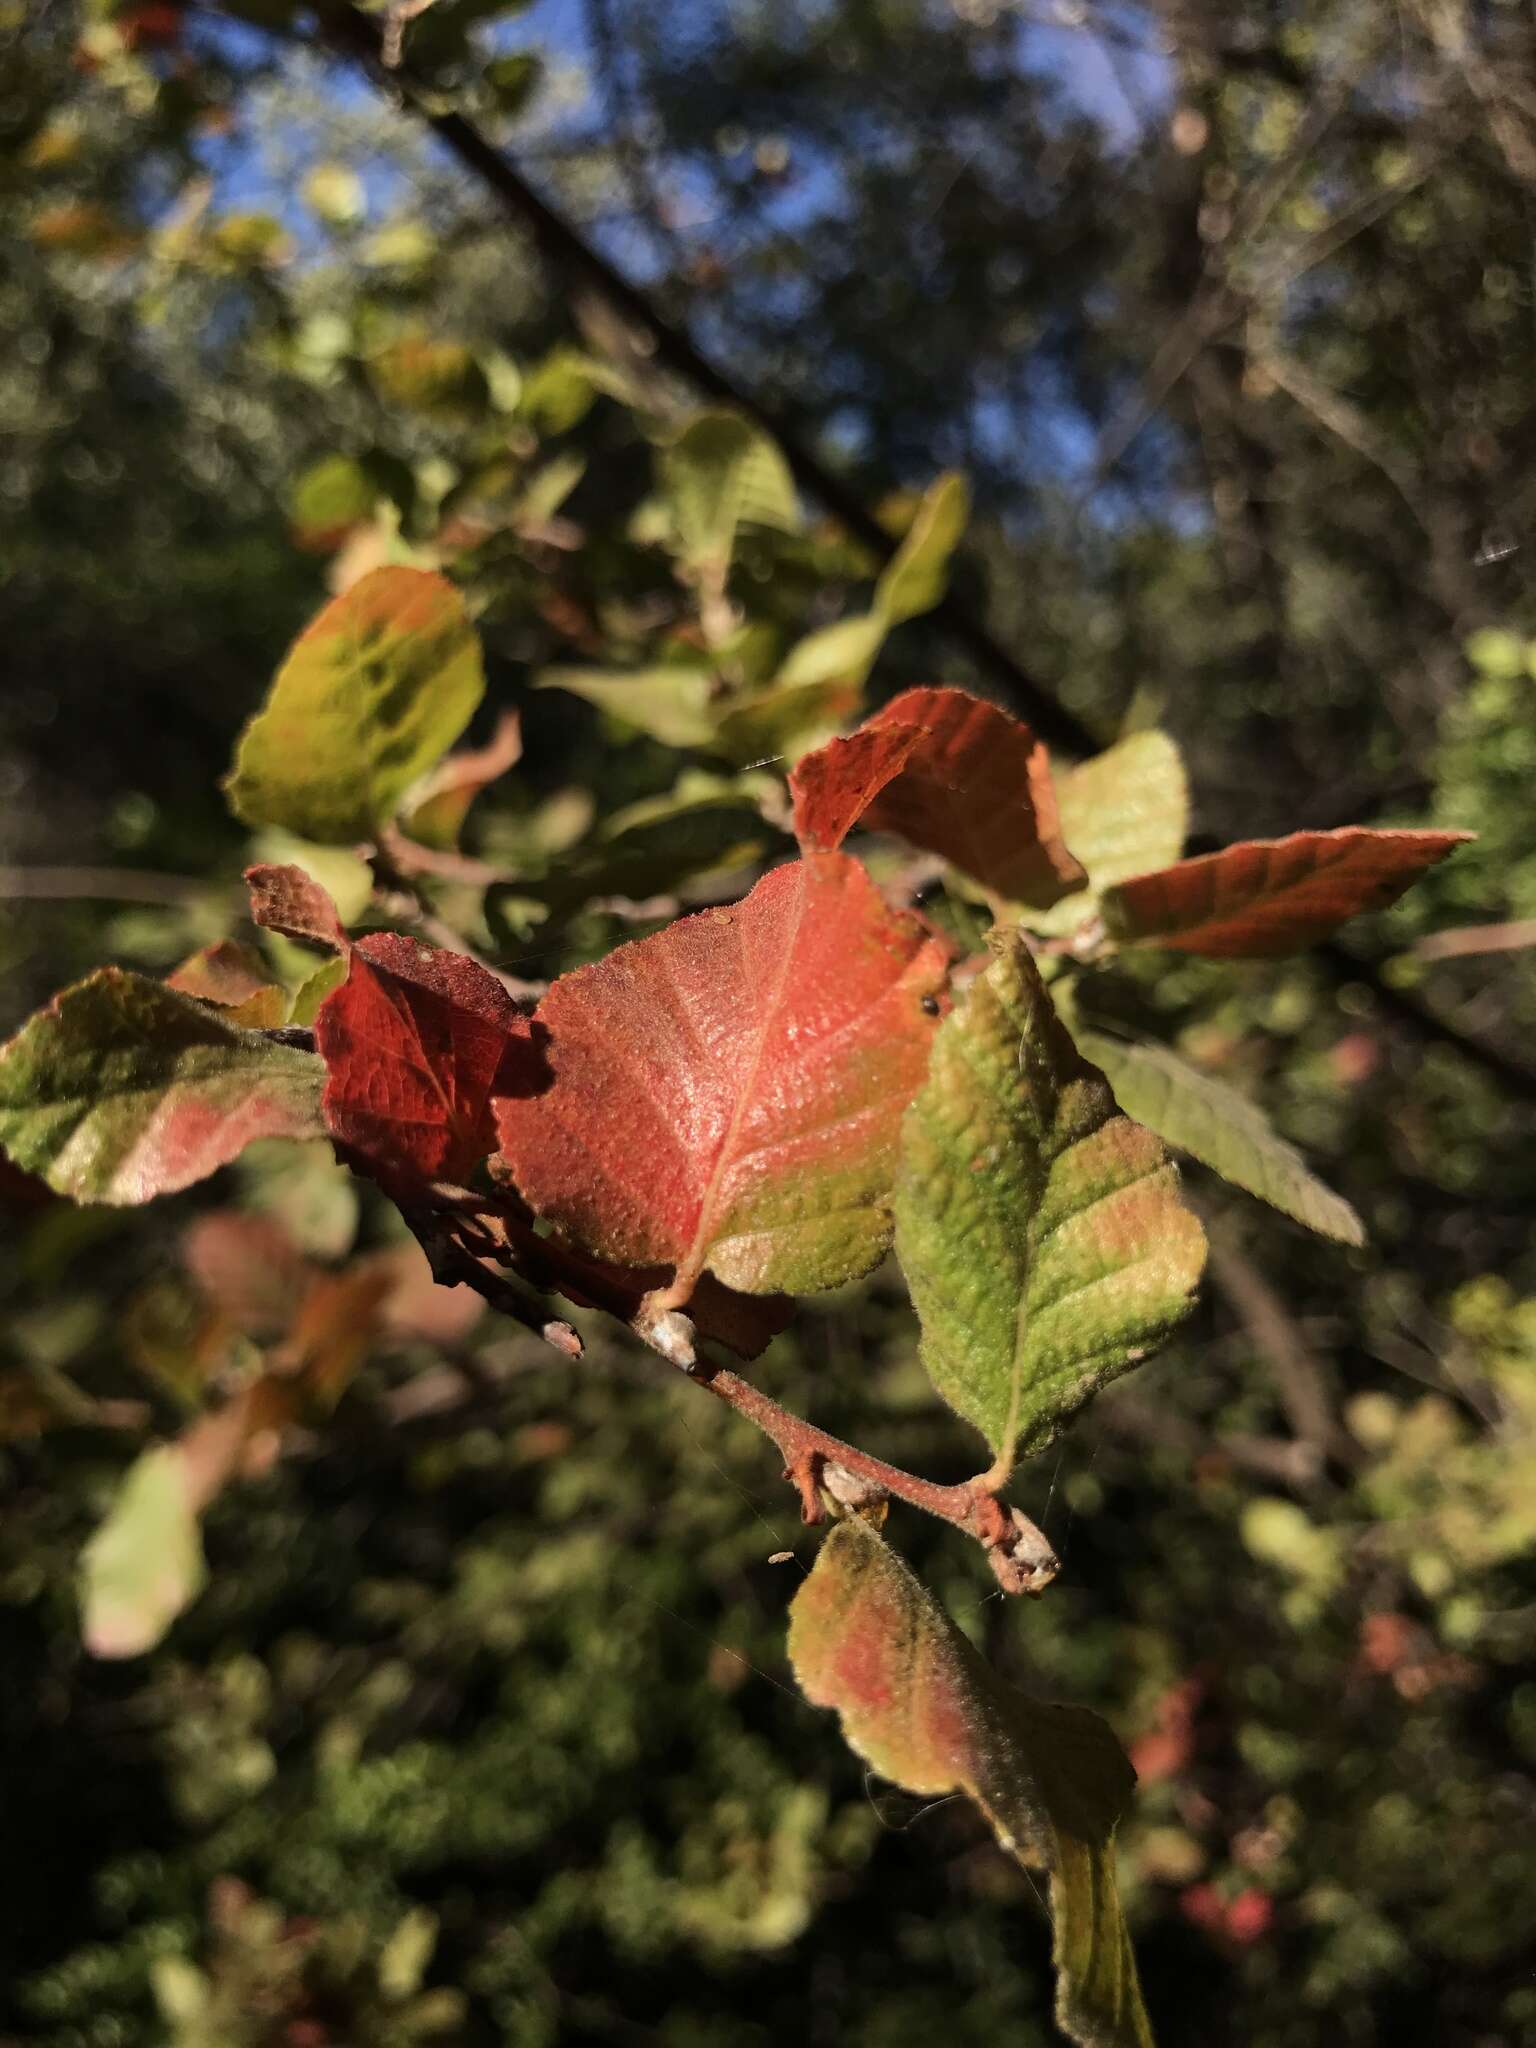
(918, 573)
(1041, 1232)
(921, 1708)
(372, 694)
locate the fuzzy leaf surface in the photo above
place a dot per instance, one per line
(1123, 813)
(1265, 897)
(416, 1042)
(288, 900)
(371, 695)
(920, 1707)
(1041, 1232)
(1197, 1114)
(728, 1094)
(123, 1089)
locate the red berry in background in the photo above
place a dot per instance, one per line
(1249, 1917)
(1202, 1904)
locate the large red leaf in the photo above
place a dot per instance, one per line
(728, 1094)
(953, 775)
(1269, 896)
(416, 1042)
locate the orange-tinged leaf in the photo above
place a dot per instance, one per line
(921, 1708)
(727, 1095)
(123, 1089)
(952, 775)
(287, 900)
(417, 1041)
(227, 973)
(371, 695)
(1265, 897)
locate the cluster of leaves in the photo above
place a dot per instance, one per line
(805, 1072)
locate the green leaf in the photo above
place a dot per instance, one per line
(844, 652)
(1124, 813)
(335, 193)
(1041, 1232)
(1197, 1114)
(670, 703)
(340, 492)
(921, 1708)
(145, 1562)
(918, 574)
(512, 81)
(719, 474)
(372, 694)
(123, 1089)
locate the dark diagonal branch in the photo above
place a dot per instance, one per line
(580, 263)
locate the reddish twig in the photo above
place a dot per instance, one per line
(463, 1228)
(815, 1462)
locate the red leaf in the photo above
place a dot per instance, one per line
(953, 775)
(416, 1043)
(1264, 897)
(728, 1094)
(287, 900)
(834, 786)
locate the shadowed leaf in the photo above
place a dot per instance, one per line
(372, 693)
(727, 1094)
(1041, 1232)
(122, 1089)
(921, 1708)
(1264, 897)
(1202, 1116)
(416, 1042)
(237, 979)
